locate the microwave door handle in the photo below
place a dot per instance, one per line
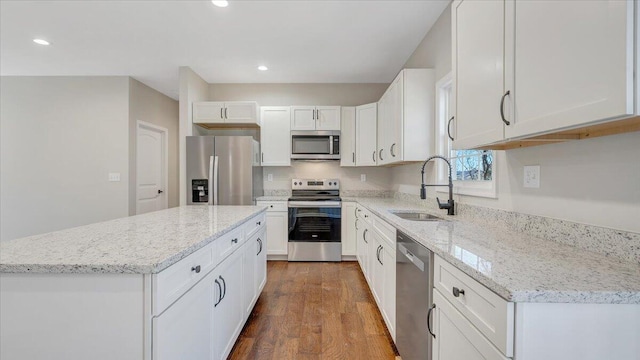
(331, 145)
(216, 175)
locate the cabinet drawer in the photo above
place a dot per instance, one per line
(274, 205)
(490, 314)
(172, 282)
(229, 243)
(386, 231)
(253, 225)
(365, 215)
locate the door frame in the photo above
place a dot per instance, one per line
(165, 159)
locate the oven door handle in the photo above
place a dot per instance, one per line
(315, 204)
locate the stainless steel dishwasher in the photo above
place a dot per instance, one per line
(414, 298)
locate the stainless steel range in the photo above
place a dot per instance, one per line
(314, 220)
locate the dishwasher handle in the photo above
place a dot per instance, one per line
(411, 257)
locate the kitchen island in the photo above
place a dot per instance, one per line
(176, 283)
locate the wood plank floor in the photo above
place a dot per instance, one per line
(315, 311)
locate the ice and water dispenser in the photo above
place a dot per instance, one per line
(200, 190)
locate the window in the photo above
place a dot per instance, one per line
(473, 171)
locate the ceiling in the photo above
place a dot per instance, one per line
(300, 41)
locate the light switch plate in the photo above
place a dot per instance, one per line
(114, 176)
(532, 176)
(363, 177)
(269, 177)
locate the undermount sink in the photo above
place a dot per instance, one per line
(416, 216)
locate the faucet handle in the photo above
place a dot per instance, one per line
(441, 205)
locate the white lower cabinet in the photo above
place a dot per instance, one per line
(185, 330)
(456, 338)
(348, 231)
(228, 313)
(277, 226)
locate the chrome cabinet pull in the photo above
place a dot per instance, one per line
(374, 156)
(260, 249)
(457, 292)
(262, 157)
(234, 241)
(502, 108)
(357, 224)
(221, 115)
(429, 320)
(381, 155)
(354, 157)
(196, 269)
(449, 128)
(224, 292)
(391, 150)
(225, 113)
(364, 236)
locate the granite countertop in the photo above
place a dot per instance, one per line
(272, 198)
(141, 244)
(518, 267)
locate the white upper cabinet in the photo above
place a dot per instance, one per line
(315, 118)
(229, 112)
(366, 121)
(517, 77)
(478, 53)
(275, 135)
(348, 136)
(406, 118)
(575, 67)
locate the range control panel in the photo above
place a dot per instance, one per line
(315, 184)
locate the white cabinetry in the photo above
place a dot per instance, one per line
(405, 128)
(229, 310)
(315, 118)
(277, 227)
(348, 136)
(348, 230)
(366, 123)
(275, 136)
(516, 77)
(232, 112)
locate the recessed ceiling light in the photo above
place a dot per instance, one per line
(220, 3)
(263, 68)
(41, 41)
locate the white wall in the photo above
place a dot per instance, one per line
(192, 88)
(60, 137)
(151, 106)
(595, 181)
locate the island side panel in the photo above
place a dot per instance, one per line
(72, 316)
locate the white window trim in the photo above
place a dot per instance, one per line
(487, 189)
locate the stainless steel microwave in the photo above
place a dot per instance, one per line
(315, 145)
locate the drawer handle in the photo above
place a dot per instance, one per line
(259, 223)
(502, 108)
(196, 269)
(364, 236)
(234, 241)
(224, 292)
(271, 206)
(457, 292)
(259, 243)
(429, 320)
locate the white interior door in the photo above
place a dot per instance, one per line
(151, 168)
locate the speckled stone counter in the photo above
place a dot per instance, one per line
(142, 244)
(517, 266)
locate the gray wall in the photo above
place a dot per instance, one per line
(594, 181)
(151, 106)
(60, 137)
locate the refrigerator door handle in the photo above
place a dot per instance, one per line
(211, 162)
(217, 182)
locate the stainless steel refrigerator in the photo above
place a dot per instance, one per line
(223, 170)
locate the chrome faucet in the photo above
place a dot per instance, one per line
(449, 205)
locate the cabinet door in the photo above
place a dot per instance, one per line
(303, 118)
(456, 338)
(261, 261)
(185, 329)
(394, 127)
(241, 112)
(361, 245)
(328, 118)
(377, 269)
(348, 228)
(348, 136)
(366, 134)
(381, 127)
(364, 249)
(478, 52)
(249, 263)
(573, 68)
(388, 257)
(275, 135)
(229, 311)
(208, 112)
(277, 232)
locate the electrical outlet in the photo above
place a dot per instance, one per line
(114, 176)
(363, 177)
(532, 176)
(269, 177)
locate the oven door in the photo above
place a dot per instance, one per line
(315, 221)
